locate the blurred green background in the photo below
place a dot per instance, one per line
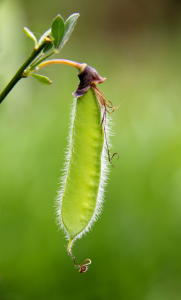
(135, 246)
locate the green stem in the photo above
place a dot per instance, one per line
(19, 74)
(78, 66)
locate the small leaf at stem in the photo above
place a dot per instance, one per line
(48, 47)
(42, 79)
(57, 30)
(31, 35)
(46, 33)
(69, 27)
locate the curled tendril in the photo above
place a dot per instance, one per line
(110, 158)
(111, 107)
(84, 266)
(113, 156)
(104, 105)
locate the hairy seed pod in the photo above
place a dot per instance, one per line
(80, 198)
(81, 194)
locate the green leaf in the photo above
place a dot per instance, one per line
(42, 79)
(46, 33)
(69, 27)
(48, 47)
(31, 35)
(57, 30)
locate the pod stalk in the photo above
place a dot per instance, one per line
(78, 66)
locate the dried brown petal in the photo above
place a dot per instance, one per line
(88, 76)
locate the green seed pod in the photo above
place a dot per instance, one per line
(80, 197)
(82, 188)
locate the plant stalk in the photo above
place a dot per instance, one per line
(20, 73)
